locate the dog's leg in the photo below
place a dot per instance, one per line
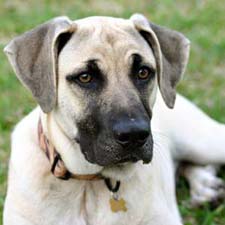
(198, 139)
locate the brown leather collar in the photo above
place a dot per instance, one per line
(58, 167)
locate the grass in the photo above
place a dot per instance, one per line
(202, 21)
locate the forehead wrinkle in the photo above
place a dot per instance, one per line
(114, 35)
(84, 32)
(140, 59)
(110, 34)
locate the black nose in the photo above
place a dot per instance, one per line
(131, 132)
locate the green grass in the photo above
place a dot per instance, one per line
(202, 21)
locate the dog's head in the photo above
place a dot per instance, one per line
(98, 76)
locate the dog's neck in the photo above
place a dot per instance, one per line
(68, 150)
(58, 167)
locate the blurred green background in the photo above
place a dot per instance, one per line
(202, 21)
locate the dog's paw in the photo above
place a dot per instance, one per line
(205, 186)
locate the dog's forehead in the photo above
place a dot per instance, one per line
(104, 20)
(105, 39)
(106, 30)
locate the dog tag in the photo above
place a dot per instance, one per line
(117, 205)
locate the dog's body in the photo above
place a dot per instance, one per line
(35, 196)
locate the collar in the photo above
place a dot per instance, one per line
(58, 167)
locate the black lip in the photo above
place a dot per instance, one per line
(77, 140)
(132, 159)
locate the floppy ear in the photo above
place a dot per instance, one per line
(33, 56)
(171, 51)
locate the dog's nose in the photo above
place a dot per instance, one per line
(132, 132)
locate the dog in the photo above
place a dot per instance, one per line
(103, 146)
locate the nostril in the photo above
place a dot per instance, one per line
(123, 138)
(143, 135)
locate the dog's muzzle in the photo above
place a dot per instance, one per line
(116, 137)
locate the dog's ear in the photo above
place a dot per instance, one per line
(33, 56)
(171, 51)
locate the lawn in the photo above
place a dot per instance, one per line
(202, 21)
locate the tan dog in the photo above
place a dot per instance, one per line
(96, 82)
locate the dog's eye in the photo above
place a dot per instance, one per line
(144, 73)
(85, 78)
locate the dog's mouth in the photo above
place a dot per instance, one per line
(132, 159)
(144, 155)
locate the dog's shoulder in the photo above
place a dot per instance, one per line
(27, 124)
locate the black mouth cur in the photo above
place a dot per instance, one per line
(96, 151)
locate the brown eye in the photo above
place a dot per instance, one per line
(143, 73)
(85, 78)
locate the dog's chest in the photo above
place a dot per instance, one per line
(98, 207)
(90, 205)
